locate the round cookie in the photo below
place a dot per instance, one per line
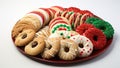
(85, 46)
(91, 20)
(24, 37)
(68, 49)
(20, 26)
(81, 29)
(73, 9)
(52, 48)
(106, 28)
(97, 37)
(35, 47)
(57, 8)
(84, 17)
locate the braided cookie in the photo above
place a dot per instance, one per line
(52, 48)
(68, 49)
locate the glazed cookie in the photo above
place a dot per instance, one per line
(85, 45)
(35, 47)
(24, 37)
(68, 49)
(52, 48)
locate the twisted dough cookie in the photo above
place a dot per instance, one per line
(68, 49)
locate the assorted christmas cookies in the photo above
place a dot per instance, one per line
(62, 33)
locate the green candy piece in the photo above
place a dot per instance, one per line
(68, 37)
(106, 28)
(91, 20)
(61, 33)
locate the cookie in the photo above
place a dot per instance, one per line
(24, 37)
(52, 48)
(68, 49)
(35, 47)
(20, 26)
(85, 46)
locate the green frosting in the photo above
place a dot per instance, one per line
(106, 28)
(61, 25)
(91, 20)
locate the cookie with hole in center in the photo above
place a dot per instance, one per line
(24, 37)
(35, 47)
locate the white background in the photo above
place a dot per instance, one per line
(13, 10)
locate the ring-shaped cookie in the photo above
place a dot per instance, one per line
(97, 37)
(35, 47)
(52, 48)
(68, 50)
(85, 46)
(24, 37)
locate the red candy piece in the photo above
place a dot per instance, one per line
(62, 29)
(97, 37)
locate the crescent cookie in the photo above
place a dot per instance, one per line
(85, 45)
(24, 37)
(68, 49)
(35, 47)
